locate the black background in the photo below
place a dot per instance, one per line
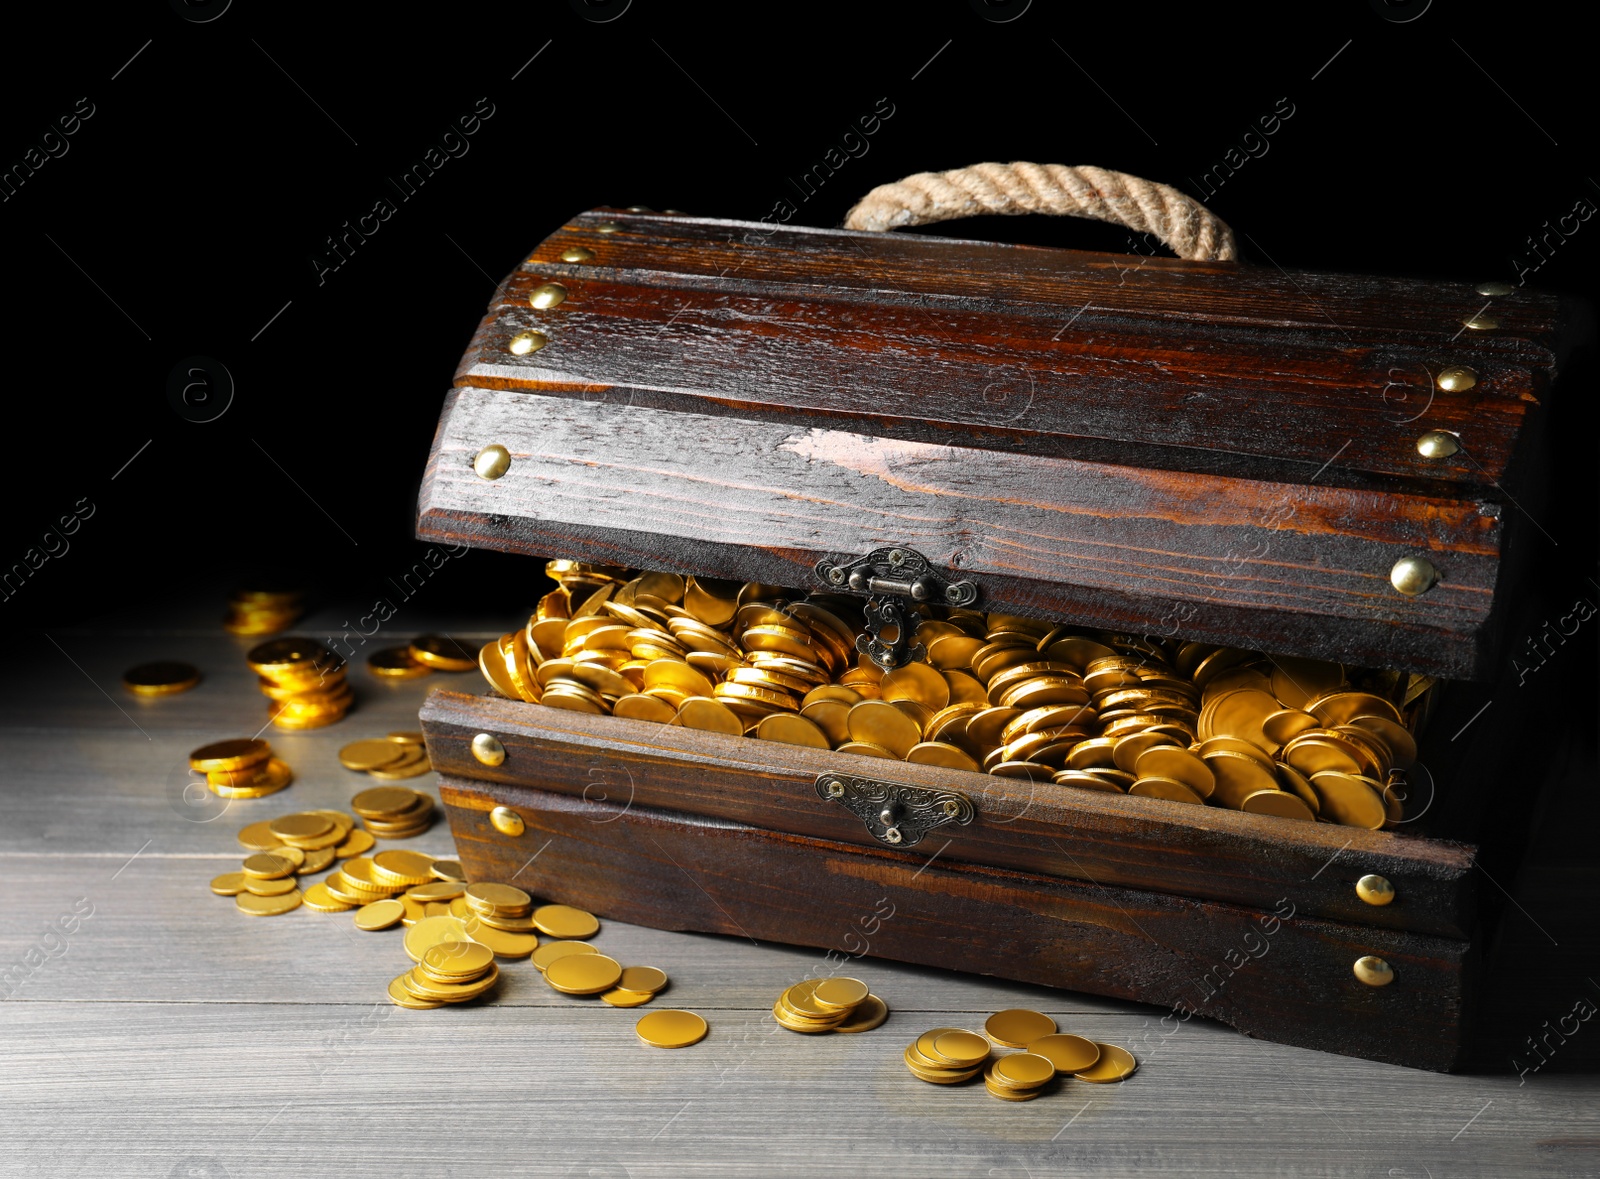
(187, 209)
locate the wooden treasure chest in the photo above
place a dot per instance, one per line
(1106, 623)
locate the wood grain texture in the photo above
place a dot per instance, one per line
(1278, 975)
(1297, 569)
(1200, 852)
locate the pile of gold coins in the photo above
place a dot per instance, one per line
(447, 972)
(394, 812)
(1012, 696)
(242, 767)
(304, 680)
(393, 758)
(948, 1056)
(262, 612)
(362, 880)
(165, 677)
(424, 655)
(283, 849)
(829, 1005)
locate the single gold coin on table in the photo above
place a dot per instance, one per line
(165, 677)
(266, 866)
(267, 906)
(370, 754)
(563, 921)
(1114, 1064)
(379, 914)
(236, 754)
(622, 997)
(355, 843)
(229, 884)
(839, 993)
(1068, 1053)
(671, 1029)
(304, 826)
(583, 974)
(1017, 1027)
(642, 978)
(551, 952)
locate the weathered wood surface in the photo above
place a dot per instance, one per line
(1277, 974)
(176, 1037)
(1148, 844)
(1297, 569)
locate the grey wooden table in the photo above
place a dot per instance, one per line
(171, 1035)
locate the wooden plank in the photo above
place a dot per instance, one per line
(636, 864)
(1289, 568)
(1127, 842)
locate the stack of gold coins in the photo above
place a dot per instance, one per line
(361, 884)
(636, 986)
(166, 677)
(262, 612)
(241, 768)
(284, 848)
(946, 1056)
(451, 971)
(829, 1005)
(362, 880)
(1012, 696)
(500, 906)
(396, 663)
(305, 681)
(393, 758)
(394, 812)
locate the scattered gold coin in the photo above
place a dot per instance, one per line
(671, 1029)
(166, 677)
(829, 1005)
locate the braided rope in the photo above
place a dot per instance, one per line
(1190, 229)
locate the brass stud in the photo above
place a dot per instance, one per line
(492, 461)
(487, 749)
(1491, 289)
(1413, 576)
(1374, 890)
(608, 227)
(548, 295)
(507, 821)
(577, 254)
(1438, 444)
(528, 342)
(1375, 972)
(1458, 378)
(640, 209)
(1481, 323)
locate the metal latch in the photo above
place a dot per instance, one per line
(894, 579)
(896, 815)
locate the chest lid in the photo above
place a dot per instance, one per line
(1224, 452)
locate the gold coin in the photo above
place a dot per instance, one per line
(918, 682)
(406, 767)
(267, 906)
(1005, 1094)
(384, 801)
(1298, 681)
(839, 993)
(1085, 755)
(443, 653)
(622, 997)
(1286, 724)
(504, 943)
(1172, 761)
(708, 715)
(508, 924)
(319, 898)
(396, 663)
(266, 866)
(1022, 1070)
(1017, 1027)
(951, 652)
(447, 870)
(555, 951)
(939, 753)
(1068, 1053)
(1312, 755)
(355, 844)
(438, 890)
(165, 677)
(866, 749)
(869, 1013)
(229, 884)
(944, 1078)
(565, 922)
(1345, 798)
(315, 861)
(402, 867)
(923, 1046)
(459, 958)
(269, 888)
(960, 1049)
(1233, 745)
(636, 706)
(1241, 713)
(831, 716)
(1086, 780)
(1238, 776)
(1125, 753)
(712, 602)
(1401, 744)
(583, 974)
(379, 915)
(986, 727)
(401, 997)
(1170, 789)
(371, 754)
(430, 931)
(259, 837)
(300, 826)
(790, 729)
(506, 898)
(671, 1029)
(1339, 708)
(879, 722)
(1277, 802)
(237, 754)
(1114, 1064)
(419, 984)
(642, 978)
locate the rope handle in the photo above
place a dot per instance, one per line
(1187, 227)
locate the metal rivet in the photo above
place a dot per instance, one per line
(952, 808)
(548, 295)
(507, 821)
(640, 209)
(492, 461)
(1413, 576)
(1438, 444)
(486, 748)
(577, 254)
(1458, 378)
(1482, 323)
(1491, 289)
(528, 342)
(1375, 890)
(893, 835)
(1375, 972)
(608, 227)
(836, 789)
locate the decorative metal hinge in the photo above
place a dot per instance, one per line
(894, 579)
(895, 814)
